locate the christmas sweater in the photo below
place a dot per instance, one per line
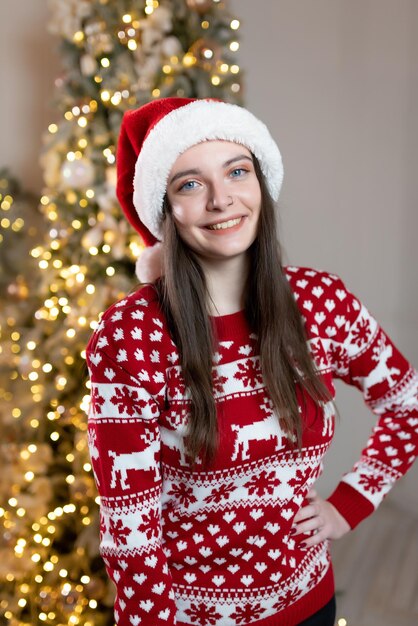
(213, 546)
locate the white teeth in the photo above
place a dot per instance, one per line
(224, 225)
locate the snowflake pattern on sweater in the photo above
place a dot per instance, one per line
(213, 546)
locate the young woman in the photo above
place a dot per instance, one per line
(212, 388)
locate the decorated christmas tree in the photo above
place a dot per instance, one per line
(116, 54)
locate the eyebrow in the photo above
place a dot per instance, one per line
(197, 171)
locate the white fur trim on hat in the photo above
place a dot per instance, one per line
(149, 265)
(183, 128)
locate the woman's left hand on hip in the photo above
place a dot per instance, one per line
(318, 521)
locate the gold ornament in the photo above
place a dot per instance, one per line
(88, 65)
(201, 6)
(77, 174)
(206, 52)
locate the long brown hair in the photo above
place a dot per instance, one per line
(271, 311)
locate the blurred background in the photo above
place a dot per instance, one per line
(337, 84)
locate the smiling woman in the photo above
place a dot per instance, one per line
(213, 389)
(215, 198)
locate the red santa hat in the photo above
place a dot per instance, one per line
(154, 135)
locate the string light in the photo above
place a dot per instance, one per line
(78, 36)
(188, 61)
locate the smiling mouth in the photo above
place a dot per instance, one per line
(225, 225)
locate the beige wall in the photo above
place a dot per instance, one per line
(336, 81)
(28, 67)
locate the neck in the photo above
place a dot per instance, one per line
(226, 284)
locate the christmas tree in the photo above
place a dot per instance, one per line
(117, 54)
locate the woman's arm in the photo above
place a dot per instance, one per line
(124, 441)
(364, 356)
(361, 354)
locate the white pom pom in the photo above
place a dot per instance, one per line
(149, 266)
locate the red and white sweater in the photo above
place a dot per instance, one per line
(213, 548)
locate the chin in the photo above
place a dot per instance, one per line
(226, 255)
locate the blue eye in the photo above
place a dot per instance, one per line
(237, 172)
(190, 184)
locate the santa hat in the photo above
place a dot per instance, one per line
(153, 136)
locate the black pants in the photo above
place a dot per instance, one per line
(324, 617)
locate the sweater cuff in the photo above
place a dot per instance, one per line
(350, 504)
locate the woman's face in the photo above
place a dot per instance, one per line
(216, 199)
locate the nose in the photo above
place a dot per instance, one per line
(219, 197)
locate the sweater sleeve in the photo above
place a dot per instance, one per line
(124, 442)
(363, 355)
